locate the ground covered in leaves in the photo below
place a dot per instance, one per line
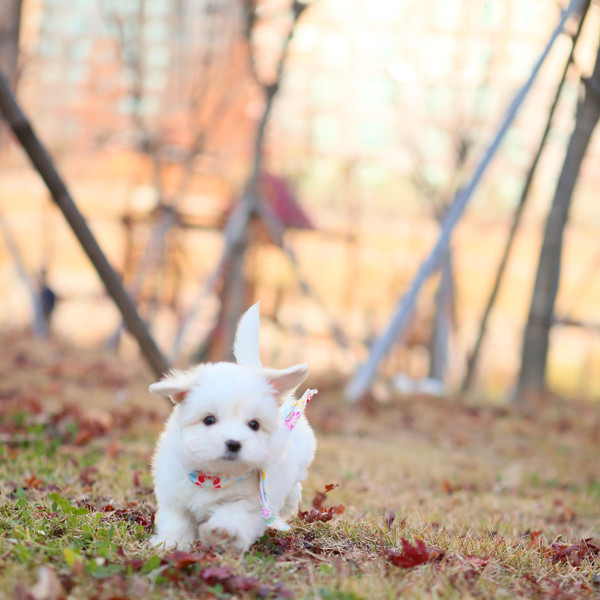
(417, 498)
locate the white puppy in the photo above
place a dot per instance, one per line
(230, 461)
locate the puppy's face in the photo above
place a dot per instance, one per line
(228, 414)
(228, 420)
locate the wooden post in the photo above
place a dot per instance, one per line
(42, 162)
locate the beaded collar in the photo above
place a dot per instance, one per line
(290, 414)
(215, 482)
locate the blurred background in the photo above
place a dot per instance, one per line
(345, 128)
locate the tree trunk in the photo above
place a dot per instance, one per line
(234, 296)
(10, 25)
(474, 356)
(536, 337)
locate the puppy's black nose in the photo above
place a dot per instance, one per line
(233, 445)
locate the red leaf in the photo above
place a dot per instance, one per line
(318, 512)
(574, 553)
(180, 560)
(413, 556)
(84, 436)
(241, 583)
(319, 498)
(448, 487)
(536, 539)
(322, 515)
(33, 482)
(214, 575)
(135, 564)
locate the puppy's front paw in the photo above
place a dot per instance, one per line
(224, 535)
(172, 531)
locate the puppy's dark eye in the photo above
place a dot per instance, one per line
(210, 420)
(254, 425)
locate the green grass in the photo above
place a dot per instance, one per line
(493, 504)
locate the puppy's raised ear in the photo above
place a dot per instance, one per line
(285, 381)
(245, 347)
(176, 384)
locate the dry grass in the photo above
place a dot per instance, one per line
(500, 501)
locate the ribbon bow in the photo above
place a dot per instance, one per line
(291, 413)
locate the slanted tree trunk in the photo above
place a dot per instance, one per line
(10, 26)
(532, 378)
(43, 164)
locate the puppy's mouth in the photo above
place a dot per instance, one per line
(230, 457)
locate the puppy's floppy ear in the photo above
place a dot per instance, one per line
(285, 381)
(176, 384)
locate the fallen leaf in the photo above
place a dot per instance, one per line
(388, 519)
(33, 482)
(574, 554)
(213, 575)
(84, 436)
(47, 585)
(181, 559)
(412, 556)
(313, 515)
(448, 487)
(242, 583)
(101, 420)
(318, 513)
(535, 537)
(113, 448)
(319, 498)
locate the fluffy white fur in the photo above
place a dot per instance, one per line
(234, 394)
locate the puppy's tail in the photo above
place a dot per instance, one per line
(245, 347)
